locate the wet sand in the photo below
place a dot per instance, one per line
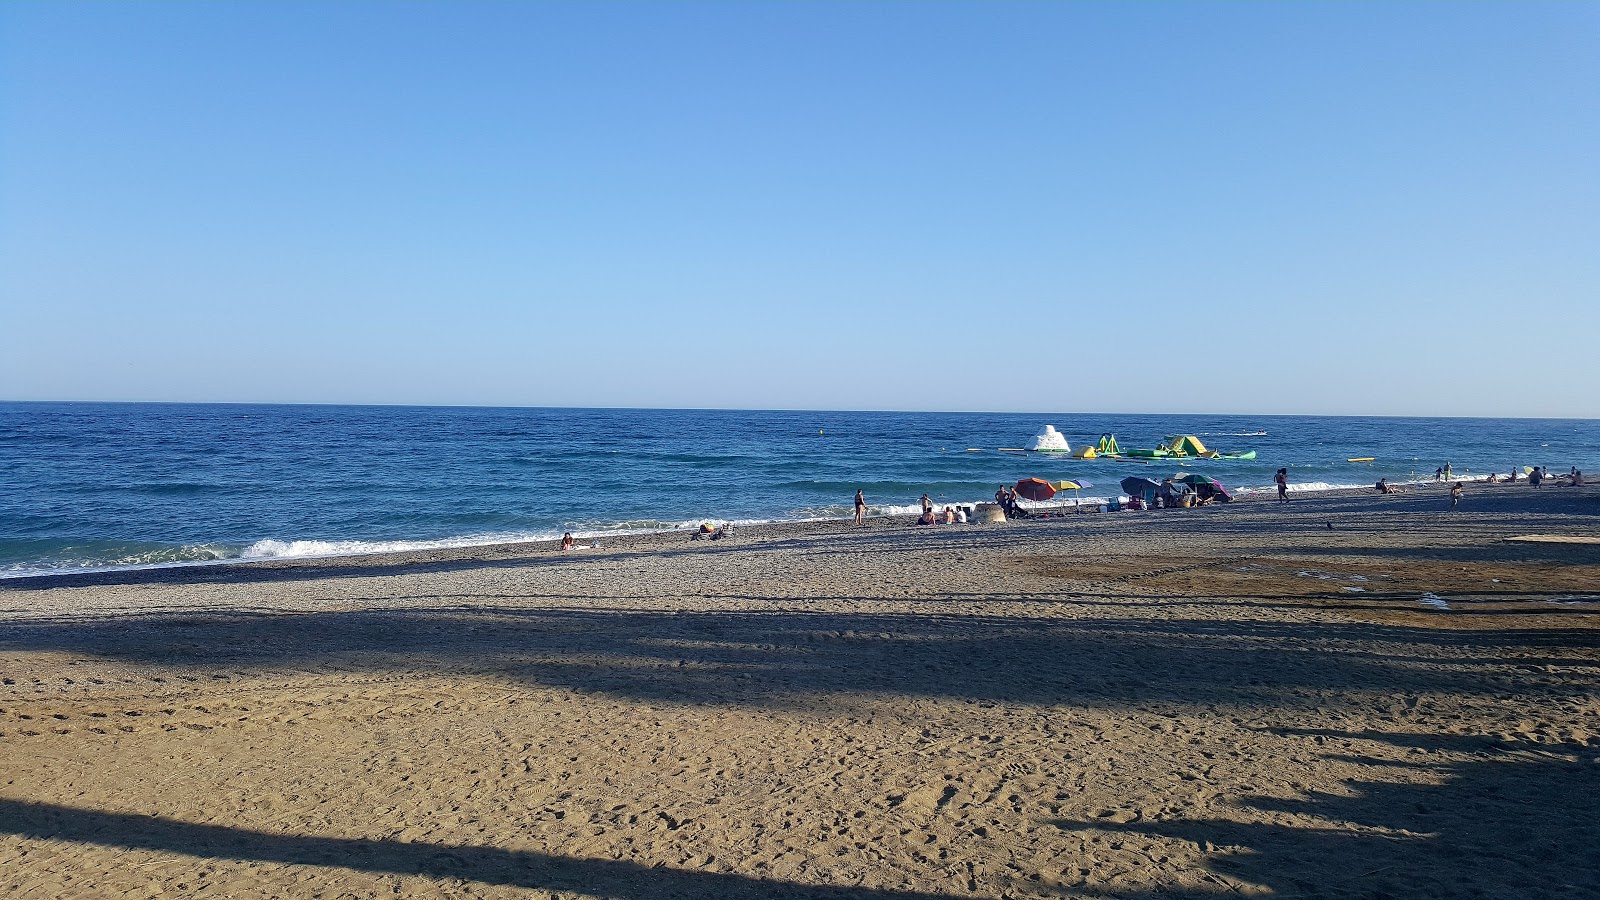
(1343, 696)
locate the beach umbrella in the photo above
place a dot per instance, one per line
(1035, 489)
(1135, 486)
(1195, 478)
(1076, 484)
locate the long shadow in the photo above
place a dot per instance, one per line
(1498, 552)
(1483, 823)
(783, 657)
(485, 865)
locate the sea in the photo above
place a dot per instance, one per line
(93, 486)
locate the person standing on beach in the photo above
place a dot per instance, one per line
(1455, 494)
(1447, 474)
(861, 507)
(927, 504)
(1282, 478)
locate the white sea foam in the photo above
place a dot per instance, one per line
(276, 549)
(1433, 600)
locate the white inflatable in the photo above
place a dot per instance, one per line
(1051, 441)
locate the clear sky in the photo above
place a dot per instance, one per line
(1365, 208)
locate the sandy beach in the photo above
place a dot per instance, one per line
(1344, 696)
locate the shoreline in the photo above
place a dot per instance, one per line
(469, 543)
(754, 535)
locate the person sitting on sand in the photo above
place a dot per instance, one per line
(1493, 478)
(949, 515)
(1513, 476)
(566, 542)
(961, 515)
(1535, 477)
(927, 518)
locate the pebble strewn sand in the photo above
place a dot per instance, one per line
(1175, 704)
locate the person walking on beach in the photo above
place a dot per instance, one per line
(1282, 478)
(1455, 494)
(1447, 474)
(861, 507)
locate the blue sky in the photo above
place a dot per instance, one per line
(1369, 208)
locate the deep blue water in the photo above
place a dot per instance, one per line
(89, 485)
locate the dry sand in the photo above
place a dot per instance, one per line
(1235, 700)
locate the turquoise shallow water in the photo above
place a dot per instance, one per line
(93, 485)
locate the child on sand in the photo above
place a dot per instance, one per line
(1455, 494)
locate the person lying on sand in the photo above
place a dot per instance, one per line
(711, 534)
(1384, 487)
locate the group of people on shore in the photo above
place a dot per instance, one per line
(950, 515)
(1006, 497)
(1537, 475)
(1168, 495)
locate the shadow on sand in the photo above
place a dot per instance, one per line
(772, 657)
(1487, 822)
(1465, 818)
(486, 865)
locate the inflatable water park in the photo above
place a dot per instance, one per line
(1181, 446)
